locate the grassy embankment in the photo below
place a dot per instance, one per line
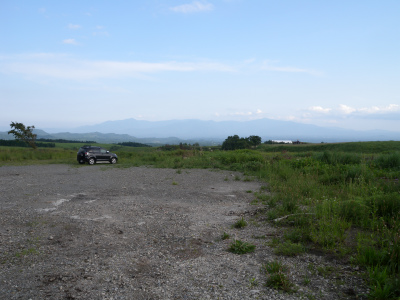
(340, 198)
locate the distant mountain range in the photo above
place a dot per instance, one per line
(210, 132)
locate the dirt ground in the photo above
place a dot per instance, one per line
(104, 232)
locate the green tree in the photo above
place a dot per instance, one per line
(254, 140)
(22, 133)
(235, 142)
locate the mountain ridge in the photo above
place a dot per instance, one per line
(209, 132)
(265, 128)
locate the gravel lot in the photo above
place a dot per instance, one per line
(103, 232)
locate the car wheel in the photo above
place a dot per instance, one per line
(91, 161)
(113, 160)
(81, 161)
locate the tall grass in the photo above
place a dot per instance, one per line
(357, 147)
(19, 155)
(344, 191)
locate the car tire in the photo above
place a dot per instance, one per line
(91, 161)
(81, 161)
(113, 160)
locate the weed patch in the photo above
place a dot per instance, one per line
(289, 249)
(240, 247)
(240, 224)
(225, 236)
(276, 276)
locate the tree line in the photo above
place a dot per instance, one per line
(235, 142)
(15, 143)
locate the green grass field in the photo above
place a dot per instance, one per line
(341, 198)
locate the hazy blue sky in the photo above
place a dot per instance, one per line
(329, 63)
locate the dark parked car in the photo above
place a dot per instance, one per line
(92, 154)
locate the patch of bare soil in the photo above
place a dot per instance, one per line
(103, 232)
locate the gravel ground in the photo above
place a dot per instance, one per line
(103, 232)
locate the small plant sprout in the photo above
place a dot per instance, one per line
(240, 224)
(225, 236)
(253, 282)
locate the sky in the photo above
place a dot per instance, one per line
(65, 64)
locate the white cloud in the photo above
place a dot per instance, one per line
(393, 107)
(70, 42)
(346, 109)
(74, 26)
(320, 109)
(376, 109)
(193, 7)
(343, 111)
(65, 67)
(241, 115)
(284, 118)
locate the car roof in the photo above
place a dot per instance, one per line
(90, 147)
